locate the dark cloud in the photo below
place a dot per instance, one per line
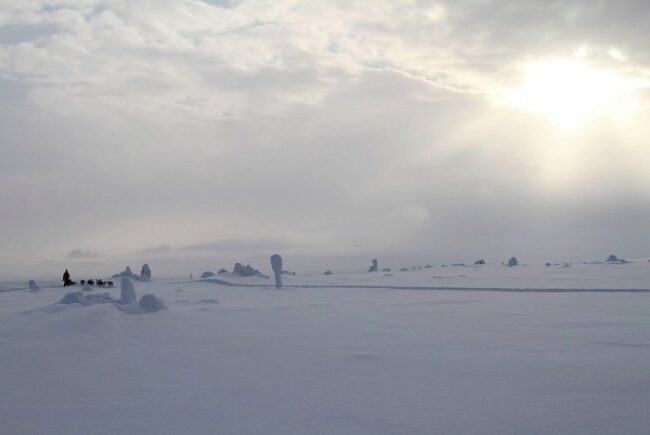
(24, 33)
(78, 254)
(240, 245)
(162, 249)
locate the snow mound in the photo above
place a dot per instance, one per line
(127, 303)
(74, 298)
(80, 298)
(99, 298)
(151, 304)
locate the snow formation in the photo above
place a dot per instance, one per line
(145, 273)
(276, 265)
(363, 361)
(127, 291)
(127, 272)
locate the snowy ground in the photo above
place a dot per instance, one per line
(253, 360)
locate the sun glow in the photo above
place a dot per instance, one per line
(571, 92)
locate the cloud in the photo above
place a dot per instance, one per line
(162, 249)
(240, 245)
(79, 254)
(333, 131)
(214, 62)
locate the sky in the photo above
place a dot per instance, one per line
(192, 134)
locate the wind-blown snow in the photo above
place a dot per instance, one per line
(338, 360)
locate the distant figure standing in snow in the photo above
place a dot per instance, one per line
(276, 265)
(66, 279)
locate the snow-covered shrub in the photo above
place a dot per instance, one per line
(32, 286)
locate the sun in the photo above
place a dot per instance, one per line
(571, 92)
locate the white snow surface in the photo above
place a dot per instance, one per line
(334, 360)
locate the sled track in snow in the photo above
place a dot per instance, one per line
(427, 288)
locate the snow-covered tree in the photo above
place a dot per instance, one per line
(276, 265)
(126, 272)
(145, 273)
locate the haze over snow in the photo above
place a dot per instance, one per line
(186, 132)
